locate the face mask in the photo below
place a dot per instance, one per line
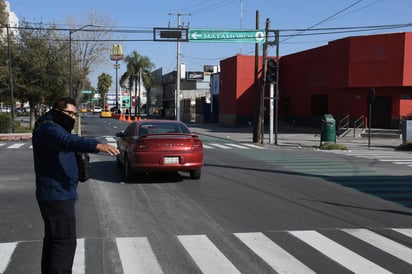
(62, 119)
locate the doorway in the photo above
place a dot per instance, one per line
(382, 112)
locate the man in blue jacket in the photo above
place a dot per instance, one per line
(56, 181)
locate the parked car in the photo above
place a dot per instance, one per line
(159, 146)
(106, 114)
(6, 109)
(97, 109)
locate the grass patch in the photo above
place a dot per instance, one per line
(332, 146)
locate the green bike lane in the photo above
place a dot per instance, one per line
(381, 180)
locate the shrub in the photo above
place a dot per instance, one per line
(5, 123)
(332, 146)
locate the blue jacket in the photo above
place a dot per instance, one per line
(54, 159)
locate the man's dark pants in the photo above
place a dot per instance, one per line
(59, 242)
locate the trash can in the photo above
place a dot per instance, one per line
(328, 129)
(407, 131)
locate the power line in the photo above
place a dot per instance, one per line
(324, 20)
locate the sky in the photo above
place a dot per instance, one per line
(295, 20)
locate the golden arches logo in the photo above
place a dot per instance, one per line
(116, 52)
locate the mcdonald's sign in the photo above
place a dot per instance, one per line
(116, 53)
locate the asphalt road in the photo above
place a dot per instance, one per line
(255, 210)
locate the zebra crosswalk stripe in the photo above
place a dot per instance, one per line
(237, 146)
(253, 146)
(338, 253)
(6, 250)
(137, 256)
(220, 146)
(402, 252)
(16, 145)
(206, 255)
(404, 231)
(208, 147)
(278, 258)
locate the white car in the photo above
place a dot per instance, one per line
(97, 109)
(6, 109)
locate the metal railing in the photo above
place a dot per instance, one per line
(359, 123)
(343, 126)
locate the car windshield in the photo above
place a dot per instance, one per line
(159, 128)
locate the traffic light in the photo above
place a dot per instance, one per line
(271, 71)
(123, 103)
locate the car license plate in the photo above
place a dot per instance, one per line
(171, 160)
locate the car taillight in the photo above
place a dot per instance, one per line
(140, 146)
(197, 145)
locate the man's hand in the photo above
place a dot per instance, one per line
(107, 148)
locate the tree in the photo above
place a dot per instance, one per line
(88, 47)
(135, 63)
(3, 14)
(39, 69)
(103, 85)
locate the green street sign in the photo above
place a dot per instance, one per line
(239, 36)
(87, 91)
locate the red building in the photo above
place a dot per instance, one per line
(237, 90)
(334, 79)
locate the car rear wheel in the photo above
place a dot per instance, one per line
(128, 172)
(195, 173)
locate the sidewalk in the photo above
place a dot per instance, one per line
(296, 137)
(293, 137)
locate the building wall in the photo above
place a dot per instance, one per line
(334, 79)
(236, 92)
(343, 72)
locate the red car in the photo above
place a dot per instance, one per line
(159, 146)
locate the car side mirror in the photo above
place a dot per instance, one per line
(120, 134)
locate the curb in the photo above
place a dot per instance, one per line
(15, 136)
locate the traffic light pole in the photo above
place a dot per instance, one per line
(271, 108)
(262, 95)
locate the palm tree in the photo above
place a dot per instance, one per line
(138, 66)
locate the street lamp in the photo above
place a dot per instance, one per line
(70, 54)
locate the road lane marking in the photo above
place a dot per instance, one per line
(110, 139)
(338, 253)
(402, 252)
(6, 250)
(278, 258)
(206, 255)
(137, 256)
(79, 263)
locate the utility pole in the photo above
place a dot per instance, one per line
(10, 79)
(177, 93)
(256, 113)
(277, 86)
